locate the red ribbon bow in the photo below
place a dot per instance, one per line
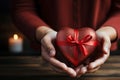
(74, 41)
(81, 43)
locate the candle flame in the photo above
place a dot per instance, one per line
(15, 36)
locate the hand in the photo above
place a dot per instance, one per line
(104, 52)
(105, 36)
(48, 52)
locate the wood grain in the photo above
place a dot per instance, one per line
(33, 67)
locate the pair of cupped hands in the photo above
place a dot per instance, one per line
(48, 53)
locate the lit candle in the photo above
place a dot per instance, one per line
(16, 44)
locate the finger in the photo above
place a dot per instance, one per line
(47, 44)
(56, 69)
(103, 58)
(63, 67)
(78, 68)
(71, 72)
(51, 66)
(98, 62)
(58, 64)
(52, 60)
(93, 70)
(82, 71)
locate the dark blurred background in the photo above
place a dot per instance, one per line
(7, 29)
(32, 67)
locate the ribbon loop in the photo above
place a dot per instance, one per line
(86, 38)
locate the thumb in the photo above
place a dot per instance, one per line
(47, 44)
(106, 45)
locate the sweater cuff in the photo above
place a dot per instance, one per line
(41, 31)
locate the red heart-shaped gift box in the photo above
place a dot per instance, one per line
(74, 46)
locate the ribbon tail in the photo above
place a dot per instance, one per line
(83, 50)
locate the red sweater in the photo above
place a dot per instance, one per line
(30, 14)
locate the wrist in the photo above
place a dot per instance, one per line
(42, 31)
(109, 31)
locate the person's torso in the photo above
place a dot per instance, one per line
(73, 13)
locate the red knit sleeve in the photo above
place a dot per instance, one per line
(114, 18)
(25, 17)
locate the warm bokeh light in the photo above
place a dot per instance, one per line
(15, 36)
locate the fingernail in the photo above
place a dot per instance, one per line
(71, 72)
(77, 70)
(91, 66)
(73, 75)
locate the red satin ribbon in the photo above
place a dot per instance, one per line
(74, 41)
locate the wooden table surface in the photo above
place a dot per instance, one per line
(33, 68)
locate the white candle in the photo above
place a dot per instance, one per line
(15, 44)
